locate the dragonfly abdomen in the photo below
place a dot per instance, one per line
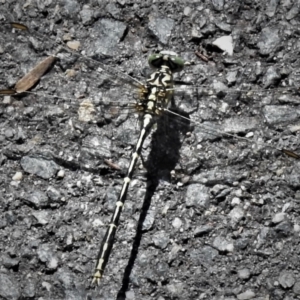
(108, 240)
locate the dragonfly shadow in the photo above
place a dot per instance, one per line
(164, 155)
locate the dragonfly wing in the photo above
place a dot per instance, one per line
(105, 72)
(87, 98)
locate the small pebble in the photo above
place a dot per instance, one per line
(244, 273)
(61, 174)
(74, 45)
(177, 223)
(286, 279)
(187, 11)
(246, 295)
(7, 100)
(97, 223)
(296, 288)
(296, 228)
(18, 176)
(278, 218)
(225, 43)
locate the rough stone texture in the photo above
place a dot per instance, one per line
(209, 215)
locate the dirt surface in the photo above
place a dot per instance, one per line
(208, 215)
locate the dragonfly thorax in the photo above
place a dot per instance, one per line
(156, 94)
(153, 100)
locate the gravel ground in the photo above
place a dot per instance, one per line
(208, 216)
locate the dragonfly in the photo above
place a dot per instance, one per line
(153, 99)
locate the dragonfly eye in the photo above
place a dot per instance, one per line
(169, 58)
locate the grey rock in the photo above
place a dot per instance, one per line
(241, 243)
(86, 15)
(162, 269)
(208, 131)
(161, 240)
(197, 195)
(29, 290)
(244, 274)
(279, 217)
(204, 256)
(74, 294)
(293, 177)
(208, 29)
(223, 26)
(220, 88)
(53, 194)
(231, 77)
(66, 278)
(107, 34)
(222, 244)
(294, 11)
(246, 295)
(36, 198)
(280, 114)
(218, 4)
(284, 228)
(296, 288)
(161, 27)
(268, 40)
(149, 220)
(94, 147)
(114, 10)
(9, 133)
(39, 166)
(202, 230)
(3, 223)
(69, 239)
(187, 11)
(47, 286)
(176, 290)
(240, 125)
(216, 176)
(272, 77)
(46, 255)
(286, 279)
(218, 189)
(9, 262)
(177, 223)
(111, 197)
(261, 238)
(42, 217)
(174, 253)
(9, 289)
(236, 215)
(71, 7)
(271, 8)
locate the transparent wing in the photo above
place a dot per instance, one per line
(63, 104)
(261, 121)
(85, 94)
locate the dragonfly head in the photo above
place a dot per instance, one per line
(169, 58)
